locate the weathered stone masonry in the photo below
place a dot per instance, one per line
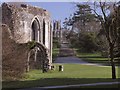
(27, 23)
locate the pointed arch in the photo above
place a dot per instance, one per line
(35, 26)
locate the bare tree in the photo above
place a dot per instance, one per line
(109, 25)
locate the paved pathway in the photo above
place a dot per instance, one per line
(68, 55)
(71, 86)
(70, 59)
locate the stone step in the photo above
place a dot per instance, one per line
(67, 52)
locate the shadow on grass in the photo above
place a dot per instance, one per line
(13, 85)
(92, 57)
(102, 62)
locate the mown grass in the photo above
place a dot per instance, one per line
(72, 74)
(88, 55)
(95, 58)
(73, 71)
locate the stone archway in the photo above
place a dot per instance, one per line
(35, 30)
(38, 55)
(33, 58)
(39, 52)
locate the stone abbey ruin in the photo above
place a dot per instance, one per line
(26, 38)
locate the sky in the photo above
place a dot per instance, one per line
(58, 10)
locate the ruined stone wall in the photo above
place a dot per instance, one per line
(57, 31)
(14, 56)
(19, 20)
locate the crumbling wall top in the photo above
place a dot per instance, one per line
(26, 7)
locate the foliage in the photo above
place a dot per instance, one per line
(31, 44)
(110, 27)
(102, 45)
(73, 39)
(55, 53)
(109, 23)
(56, 43)
(117, 24)
(83, 35)
(87, 42)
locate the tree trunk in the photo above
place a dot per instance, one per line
(112, 62)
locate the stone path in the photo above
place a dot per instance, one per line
(66, 52)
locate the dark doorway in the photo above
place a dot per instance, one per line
(43, 32)
(35, 30)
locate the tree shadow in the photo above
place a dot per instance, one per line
(14, 85)
(105, 62)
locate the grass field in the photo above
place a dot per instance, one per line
(95, 58)
(73, 71)
(72, 74)
(88, 55)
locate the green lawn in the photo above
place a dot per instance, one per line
(95, 58)
(88, 54)
(72, 74)
(73, 71)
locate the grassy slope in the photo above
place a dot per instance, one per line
(72, 74)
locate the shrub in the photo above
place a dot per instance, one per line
(56, 43)
(87, 42)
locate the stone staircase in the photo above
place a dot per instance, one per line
(64, 52)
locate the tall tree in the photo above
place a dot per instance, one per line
(110, 27)
(82, 16)
(82, 22)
